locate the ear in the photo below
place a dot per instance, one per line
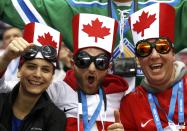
(18, 73)
(72, 63)
(174, 55)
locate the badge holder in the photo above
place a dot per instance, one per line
(124, 67)
(173, 127)
(181, 126)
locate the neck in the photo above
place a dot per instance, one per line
(23, 105)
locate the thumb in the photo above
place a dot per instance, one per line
(117, 117)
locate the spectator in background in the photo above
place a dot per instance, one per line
(3, 26)
(65, 58)
(8, 35)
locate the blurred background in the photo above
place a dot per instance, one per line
(2, 27)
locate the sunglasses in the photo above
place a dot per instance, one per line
(48, 52)
(83, 60)
(144, 47)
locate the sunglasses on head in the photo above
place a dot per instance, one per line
(83, 60)
(48, 52)
(144, 47)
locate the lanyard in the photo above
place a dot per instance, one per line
(114, 15)
(180, 103)
(89, 125)
(123, 27)
(154, 112)
(176, 91)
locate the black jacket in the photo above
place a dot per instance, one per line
(45, 116)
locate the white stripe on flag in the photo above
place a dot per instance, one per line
(35, 12)
(31, 8)
(20, 11)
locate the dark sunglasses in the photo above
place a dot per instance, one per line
(48, 52)
(83, 60)
(144, 47)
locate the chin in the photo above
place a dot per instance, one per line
(90, 91)
(35, 90)
(156, 79)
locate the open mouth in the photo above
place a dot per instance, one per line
(91, 79)
(156, 66)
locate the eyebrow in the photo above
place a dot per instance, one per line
(30, 63)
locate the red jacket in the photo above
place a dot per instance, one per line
(136, 113)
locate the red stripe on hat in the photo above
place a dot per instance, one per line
(75, 25)
(114, 35)
(60, 44)
(59, 48)
(28, 32)
(167, 21)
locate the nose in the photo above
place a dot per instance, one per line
(92, 67)
(38, 73)
(154, 54)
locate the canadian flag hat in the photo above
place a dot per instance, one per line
(156, 20)
(42, 35)
(90, 30)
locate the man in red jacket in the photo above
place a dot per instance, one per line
(160, 102)
(91, 90)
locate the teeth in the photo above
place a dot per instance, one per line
(155, 66)
(35, 83)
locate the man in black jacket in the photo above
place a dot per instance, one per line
(28, 107)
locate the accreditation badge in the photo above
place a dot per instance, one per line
(173, 127)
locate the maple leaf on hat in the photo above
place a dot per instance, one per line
(96, 30)
(47, 39)
(144, 22)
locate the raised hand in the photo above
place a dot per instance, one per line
(16, 48)
(117, 126)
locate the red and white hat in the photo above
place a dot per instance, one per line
(42, 35)
(90, 30)
(156, 20)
